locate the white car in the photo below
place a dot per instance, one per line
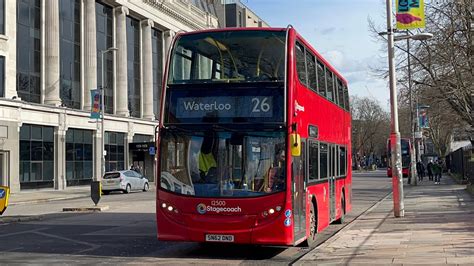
(125, 181)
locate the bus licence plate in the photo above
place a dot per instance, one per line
(219, 238)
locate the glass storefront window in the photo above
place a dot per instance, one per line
(79, 157)
(36, 156)
(114, 146)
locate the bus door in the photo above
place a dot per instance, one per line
(299, 194)
(332, 182)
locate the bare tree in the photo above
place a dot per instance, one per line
(370, 127)
(442, 69)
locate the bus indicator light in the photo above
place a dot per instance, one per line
(278, 208)
(288, 213)
(287, 222)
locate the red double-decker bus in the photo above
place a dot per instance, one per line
(405, 145)
(254, 139)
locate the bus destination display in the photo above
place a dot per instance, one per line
(224, 106)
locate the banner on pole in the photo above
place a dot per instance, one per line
(423, 119)
(410, 14)
(95, 99)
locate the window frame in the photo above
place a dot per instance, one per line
(2, 76)
(303, 49)
(313, 143)
(2, 17)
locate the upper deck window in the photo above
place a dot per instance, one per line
(231, 56)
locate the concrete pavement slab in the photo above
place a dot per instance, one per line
(438, 228)
(45, 195)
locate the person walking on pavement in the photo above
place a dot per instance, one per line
(437, 172)
(420, 169)
(429, 168)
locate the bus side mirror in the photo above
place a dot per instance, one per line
(295, 142)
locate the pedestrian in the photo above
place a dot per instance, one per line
(429, 168)
(436, 170)
(439, 170)
(420, 169)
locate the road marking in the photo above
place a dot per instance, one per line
(20, 233)
(92, 246)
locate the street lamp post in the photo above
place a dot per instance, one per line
(102, 107)
(397, 181)
(395, 149)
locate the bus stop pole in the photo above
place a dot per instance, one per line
(397, 178)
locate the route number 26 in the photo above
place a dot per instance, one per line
(260, 106)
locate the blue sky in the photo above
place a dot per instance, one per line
(339, 30)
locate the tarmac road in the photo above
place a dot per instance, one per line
(126, 233)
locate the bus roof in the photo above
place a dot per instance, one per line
(306, 43)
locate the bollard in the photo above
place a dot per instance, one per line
(4, 194)
(96, 191)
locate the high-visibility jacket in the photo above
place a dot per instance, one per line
(206, 162)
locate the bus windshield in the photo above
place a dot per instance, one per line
(223, 164)
(231, 56)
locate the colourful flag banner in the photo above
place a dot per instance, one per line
(423, 119)
(95, 103)
(410, 14)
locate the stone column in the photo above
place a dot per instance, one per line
(168, 41)
(90, 52)
(147, 67)
(122, 83)
(52, 53)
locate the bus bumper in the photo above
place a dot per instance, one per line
(245, 229)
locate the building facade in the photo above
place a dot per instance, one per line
(52, 54)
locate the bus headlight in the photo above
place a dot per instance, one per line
(268, 215)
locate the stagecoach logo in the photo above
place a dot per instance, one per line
(203, 208)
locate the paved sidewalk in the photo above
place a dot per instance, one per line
(44, 195)
(438, 228)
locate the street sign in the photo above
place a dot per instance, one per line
(4, 194)
(96, 191)
(418, 135)
(151, 150)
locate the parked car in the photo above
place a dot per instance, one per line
(125, 181)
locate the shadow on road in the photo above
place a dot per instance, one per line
(114, 234)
